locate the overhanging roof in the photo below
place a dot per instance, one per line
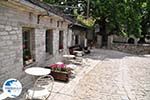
(51, 9)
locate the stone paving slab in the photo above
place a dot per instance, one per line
(65, 91)
(108, 75)
(120, 76)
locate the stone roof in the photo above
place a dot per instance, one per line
(57, 11)
(51, 9)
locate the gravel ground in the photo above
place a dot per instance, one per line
(119, 76)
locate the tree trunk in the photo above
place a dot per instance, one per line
(102, 24)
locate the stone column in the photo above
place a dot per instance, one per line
(65, 39)
(99, 41)
(55, 41)
(85, 42)
(69, 38)
(135, 41)
(110, 41)
(40, 45)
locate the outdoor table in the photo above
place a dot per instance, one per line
(37, 71)
(69, 56)
(41, 86)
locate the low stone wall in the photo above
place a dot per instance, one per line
(131, 48)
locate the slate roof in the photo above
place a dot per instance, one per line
(57, 11)
(51, 9)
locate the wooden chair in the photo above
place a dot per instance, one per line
(42, 88)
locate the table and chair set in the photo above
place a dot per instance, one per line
(43, 82)
(43, 85)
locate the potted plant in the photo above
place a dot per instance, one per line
(60, 72)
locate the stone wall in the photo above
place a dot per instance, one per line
(10, 51)
(120, 39)
(119, 43)
(131, 48)
(12, 21)
(11, 63)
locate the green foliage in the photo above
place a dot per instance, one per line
(124, 17)
(89, 22)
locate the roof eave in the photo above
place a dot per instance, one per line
(27, 5)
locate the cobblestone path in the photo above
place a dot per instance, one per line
(119, 76)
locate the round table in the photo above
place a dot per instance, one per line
(37, 71)
(69, 56)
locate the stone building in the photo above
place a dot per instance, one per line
(31, 34)
(79, 35)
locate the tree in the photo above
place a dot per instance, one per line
(125, 17)
(69, 6)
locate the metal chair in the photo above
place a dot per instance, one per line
(42, 88)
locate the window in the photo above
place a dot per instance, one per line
(28, 46)
(60, 40)
(49, 41)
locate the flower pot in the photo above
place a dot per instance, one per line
(61, 76)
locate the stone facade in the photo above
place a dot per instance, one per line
(12, 21)
(79, 35)
(10, 44)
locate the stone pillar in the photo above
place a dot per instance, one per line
(110, 41)
(135, 41)
(55, 41)
(40, 45)
(69, 38)
(82, 40)
(65, 39)
(99, 41)
(85, 42)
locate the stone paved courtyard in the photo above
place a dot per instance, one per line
(108, 75)
(116, 76)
